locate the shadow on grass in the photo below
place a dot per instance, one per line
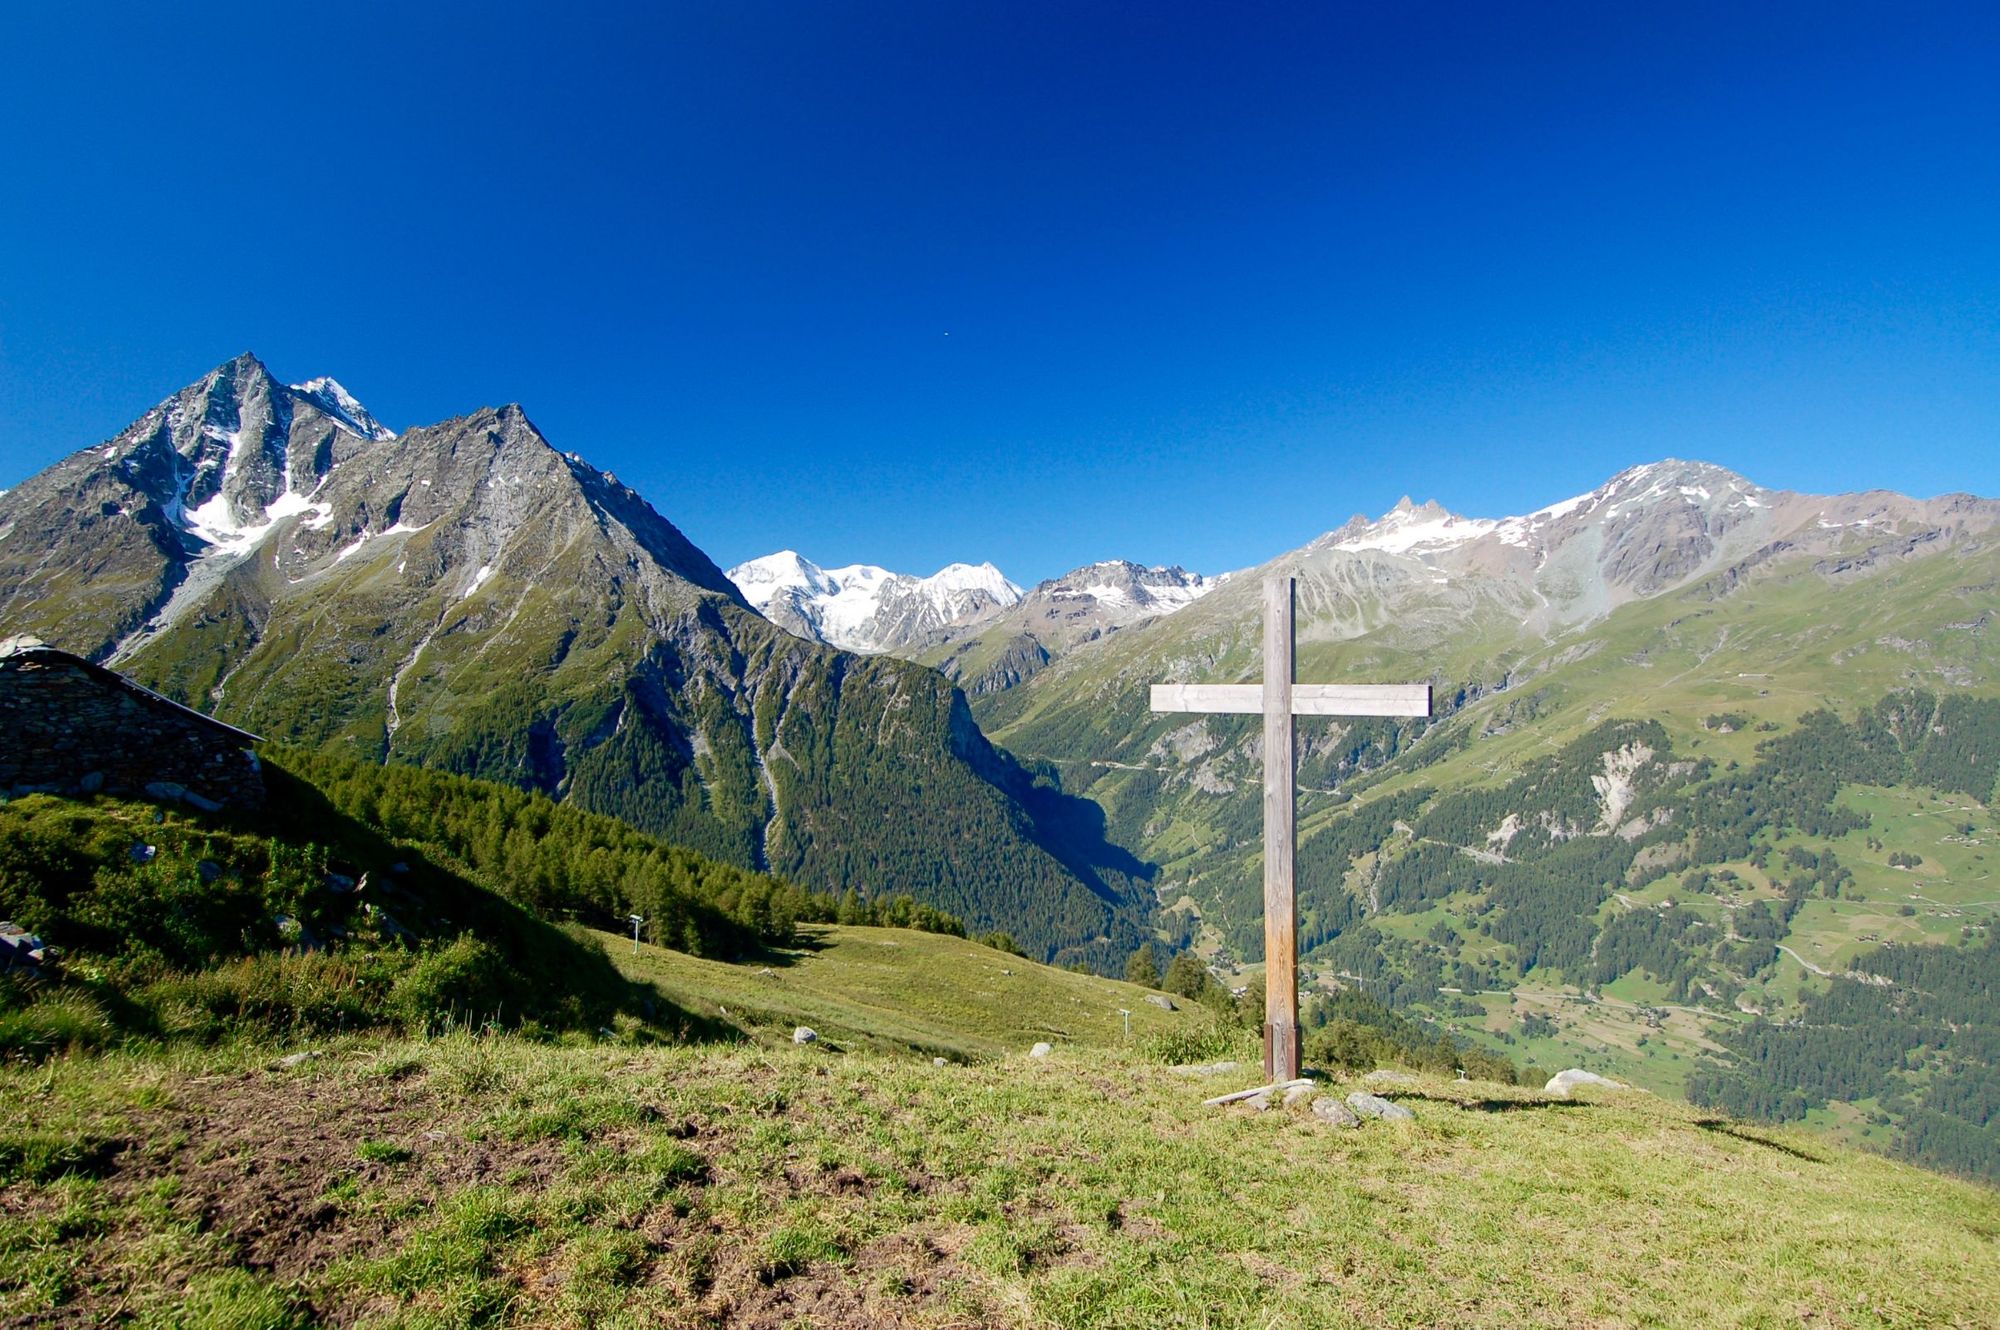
(1485, 1105)
(807, 940)
(1723, 1127)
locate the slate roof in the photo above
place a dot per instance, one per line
(26, 648)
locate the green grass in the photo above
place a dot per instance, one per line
(570, 1186)
(897, 989)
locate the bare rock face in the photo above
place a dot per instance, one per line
(92, 546)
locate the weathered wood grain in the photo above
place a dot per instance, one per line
(1278, 699)
(1281, 914)
(1308, 699)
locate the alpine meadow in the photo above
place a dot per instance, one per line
(1313, 666)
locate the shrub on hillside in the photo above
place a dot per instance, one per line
(1187, 977)
(279, 991)
(465, 982)
(1203, 1041)
(37, 1022)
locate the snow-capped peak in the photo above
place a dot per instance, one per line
(1699, 482)
(960, 577)
(1412, 529)
(1130, 590)
(862, 607)
(761, 579)
(1422, 530)
(340, 406)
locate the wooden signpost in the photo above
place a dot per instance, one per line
(1279, 699)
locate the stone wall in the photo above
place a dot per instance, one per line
(67, 727)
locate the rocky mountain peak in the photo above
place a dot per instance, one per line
(239, 471)
(1407, 528)
(1083, 605)
(341, 407)
(1121, 585)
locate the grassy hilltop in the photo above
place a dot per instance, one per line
(465, 1181)
(457, 1112)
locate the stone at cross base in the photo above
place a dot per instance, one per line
(1278, 698)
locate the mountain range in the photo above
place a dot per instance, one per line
(1676, 591)
(1706, 754)
(1712, 778)
(967, 620)
(466, 596)
(868, 609)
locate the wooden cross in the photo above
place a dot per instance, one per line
(1279, 699)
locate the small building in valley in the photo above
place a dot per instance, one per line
(70, 727)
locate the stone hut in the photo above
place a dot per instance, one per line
(70, 727)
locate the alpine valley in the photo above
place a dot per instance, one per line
(1707, 803)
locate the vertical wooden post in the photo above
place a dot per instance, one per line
(1281, 924)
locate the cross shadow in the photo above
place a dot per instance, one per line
(1722, 1127)
(1484, 1105)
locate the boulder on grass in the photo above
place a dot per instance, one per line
(1565, 1081)
(1334, 1113)
(1374, 1106)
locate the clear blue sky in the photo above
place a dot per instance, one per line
(1215, 277)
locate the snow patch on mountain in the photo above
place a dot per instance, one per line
(1139, 591)
(1409, 529)
(1422, 531)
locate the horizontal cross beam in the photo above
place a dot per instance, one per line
(1308, 699)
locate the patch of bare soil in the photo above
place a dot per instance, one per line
(268, 1166)
(256, 1162)
(251, 1160)
(894, 1281)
